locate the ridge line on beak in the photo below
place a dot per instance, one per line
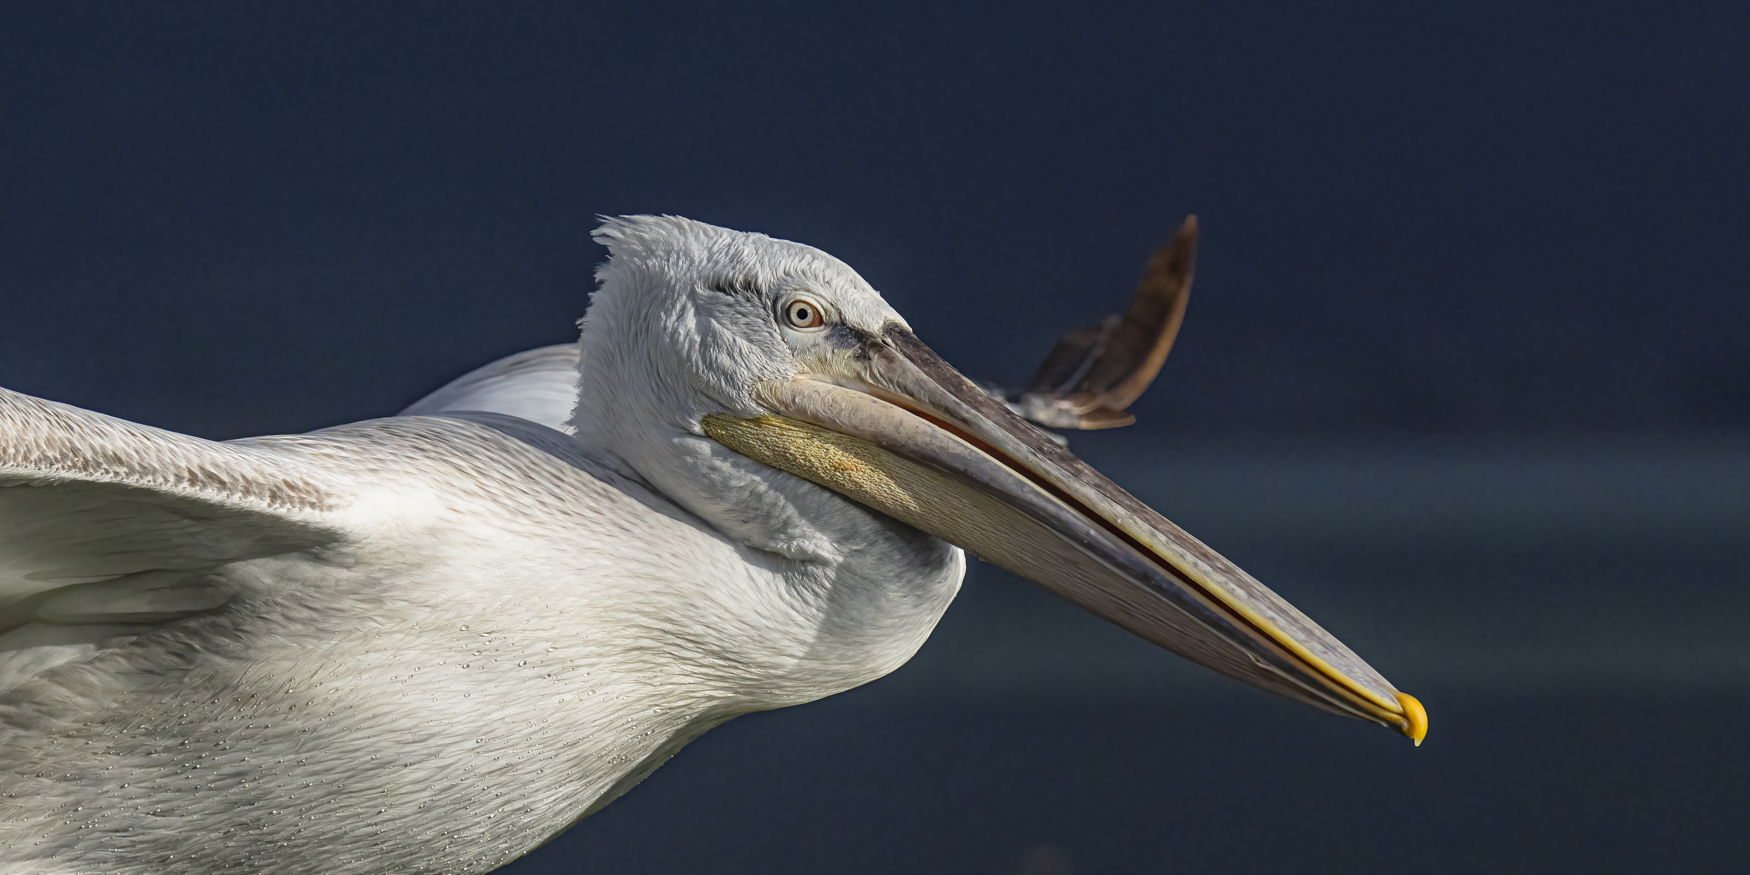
(903, 429)
(914, 372)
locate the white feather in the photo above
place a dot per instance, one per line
(429, 643)
(539, 385)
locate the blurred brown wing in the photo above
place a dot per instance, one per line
(1093, 374)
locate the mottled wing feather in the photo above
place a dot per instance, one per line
(105, 525)
(1094, 373)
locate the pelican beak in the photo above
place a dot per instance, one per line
(905, 433)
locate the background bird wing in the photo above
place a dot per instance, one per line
(107, 527)
(1093, 374)
(539, 385)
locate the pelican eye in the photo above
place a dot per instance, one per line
(803, 313)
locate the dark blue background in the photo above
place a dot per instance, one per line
(1506, 236)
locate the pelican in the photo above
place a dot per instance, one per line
(431, 642)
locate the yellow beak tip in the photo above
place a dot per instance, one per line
(1415, 725)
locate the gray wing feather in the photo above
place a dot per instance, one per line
(539, 385)
(106, 525)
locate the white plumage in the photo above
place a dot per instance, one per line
(539, 385)
(441, 641)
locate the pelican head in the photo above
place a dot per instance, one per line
(762, 383)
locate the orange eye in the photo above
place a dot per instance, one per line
(803, 313)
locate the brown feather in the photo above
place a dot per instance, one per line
(1094, 373)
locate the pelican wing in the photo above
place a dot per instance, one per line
(1093, 374)
(107, 527)
(539, 385)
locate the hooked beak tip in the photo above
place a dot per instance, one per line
(1415, 725)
